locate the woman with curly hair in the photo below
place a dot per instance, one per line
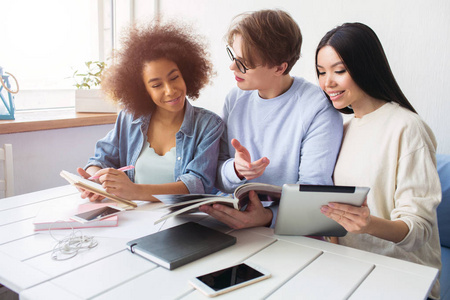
(172, 144)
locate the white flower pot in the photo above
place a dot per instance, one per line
(93, 101)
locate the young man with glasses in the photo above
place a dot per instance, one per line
(280, 129)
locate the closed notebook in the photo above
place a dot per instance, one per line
(179, 245)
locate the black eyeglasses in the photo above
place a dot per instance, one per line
(240, 65)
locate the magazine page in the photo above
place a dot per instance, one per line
(269, 194)
(174, 211)
(175, 202)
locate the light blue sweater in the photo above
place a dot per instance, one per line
(299, 131)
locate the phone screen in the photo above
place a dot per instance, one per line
(98, 213)
(229, 277)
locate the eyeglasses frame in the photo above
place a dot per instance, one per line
(239, 64)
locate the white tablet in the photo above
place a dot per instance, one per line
(299, 210)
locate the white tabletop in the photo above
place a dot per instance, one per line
(301, 267)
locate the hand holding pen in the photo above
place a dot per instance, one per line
(123, 169)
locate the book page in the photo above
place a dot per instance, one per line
(94, 187)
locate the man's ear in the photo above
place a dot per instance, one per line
(281, 68)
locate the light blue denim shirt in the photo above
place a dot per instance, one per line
(197, 147)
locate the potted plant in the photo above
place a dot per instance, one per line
(92, 76)
(88, 96)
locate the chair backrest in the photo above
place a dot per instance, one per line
(7, 184)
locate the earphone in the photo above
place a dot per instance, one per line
(69, 246)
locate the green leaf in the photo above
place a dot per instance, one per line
(91, 76)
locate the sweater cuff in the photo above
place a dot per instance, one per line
(230, 176)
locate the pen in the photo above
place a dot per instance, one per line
(123, 169)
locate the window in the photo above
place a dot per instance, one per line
(44, 42)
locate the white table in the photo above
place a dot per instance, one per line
(302, 268)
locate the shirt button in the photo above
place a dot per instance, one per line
(179, 158)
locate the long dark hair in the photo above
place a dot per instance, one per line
(363, 56)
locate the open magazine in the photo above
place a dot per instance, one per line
(179, 204)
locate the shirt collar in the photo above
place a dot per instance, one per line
(188, 123)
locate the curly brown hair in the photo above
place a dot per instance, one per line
(123, 82)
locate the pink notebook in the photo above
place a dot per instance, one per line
(58, 217)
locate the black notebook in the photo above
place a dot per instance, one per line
(179, 245)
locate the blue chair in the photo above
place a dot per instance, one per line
(443, 214)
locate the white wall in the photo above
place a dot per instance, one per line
(39, 156)
(415, 35)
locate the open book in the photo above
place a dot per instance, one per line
(94, 187)
(178, 204)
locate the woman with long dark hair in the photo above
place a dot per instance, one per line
(386, 146)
